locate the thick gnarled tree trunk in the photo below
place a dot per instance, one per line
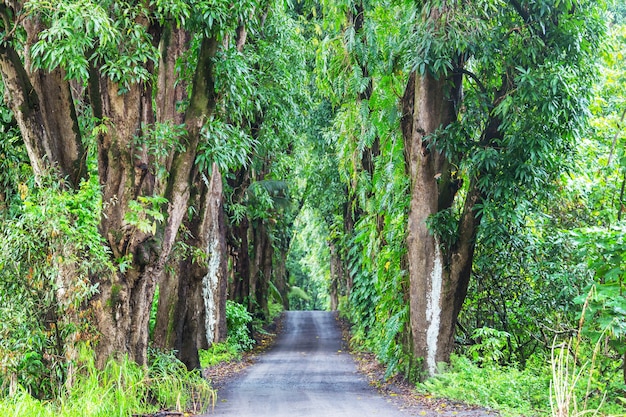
(43, 105)
(439, 271)
(191, 307)
(123, 304)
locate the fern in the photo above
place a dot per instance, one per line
(299, 293)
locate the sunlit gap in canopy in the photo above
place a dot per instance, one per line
(308, 262)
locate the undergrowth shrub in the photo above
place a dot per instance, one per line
(121, 389)
(238, 320)
(582, 383)
(560, 386)
(172, 385)
(275, 310)
(49, 248)
(513, 391)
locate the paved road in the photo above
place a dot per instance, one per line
(304, 374)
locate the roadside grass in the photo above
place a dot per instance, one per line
(121, 389)
(511, 391)
(219, 353)
(124, 389)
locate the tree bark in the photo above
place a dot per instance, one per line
(215, 282)
(58, 113)
(122, 307)
(238, 243)
(44, 110)
(174, 44)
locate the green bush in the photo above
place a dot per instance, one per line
(172, 384)
(49, 250)
(275, 310)
(517, 392)
(513, 391)
(238, 320)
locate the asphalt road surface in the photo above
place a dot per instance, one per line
(306, 373)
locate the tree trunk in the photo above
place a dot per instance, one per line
(164, 330)
(335, 277)
(123, 305)
(439, 271)
(214, 283)
(172, 91)
(238, 243)
(280, 277)
(194, 317)
(43, 106)
(44, 110)
(261, 268)
(239, 247)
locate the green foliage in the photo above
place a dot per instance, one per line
(238, 321)
(297, 292)
(275, 309)
(159, 140)
(264, 198)
(525, 281)
(308, 263)
(490, 345)
(444, 225)
(580, 383)
(85, 32)
(14, 165)
(48, 253)
(357, 65)
(604, 304)
(222, 16)
(172, 385)
(219, 353)
(121, 388)
(225, 145)
(506, 389)
(364, 295)
(145, 213)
